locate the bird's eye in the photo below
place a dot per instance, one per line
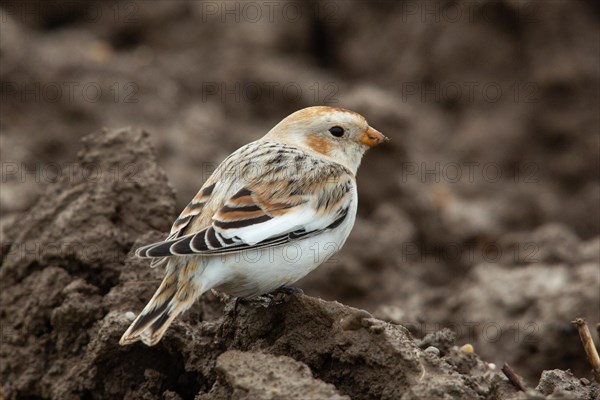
(337, 131)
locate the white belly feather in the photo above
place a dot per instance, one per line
(255, 272)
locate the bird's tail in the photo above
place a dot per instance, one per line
(171, 299)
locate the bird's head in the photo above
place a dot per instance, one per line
(335, 133)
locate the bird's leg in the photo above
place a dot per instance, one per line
(264, 300)
(278, 295)
(267, 299)
(235, 306)
(288, 290)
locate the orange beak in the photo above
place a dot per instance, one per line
(372, 137)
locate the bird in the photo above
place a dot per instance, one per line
(270, 213)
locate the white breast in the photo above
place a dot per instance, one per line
(255, 272)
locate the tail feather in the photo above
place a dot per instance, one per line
(158, 262)
(170, 300)
(152, 335)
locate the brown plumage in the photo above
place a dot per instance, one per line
(295, 186)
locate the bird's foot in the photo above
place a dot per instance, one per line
(259, 301)
(288, 290)
(266, 300)
(238, 300)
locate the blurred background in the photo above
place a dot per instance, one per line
(482, 214)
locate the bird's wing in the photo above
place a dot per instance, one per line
(194, 210)
(290, 196)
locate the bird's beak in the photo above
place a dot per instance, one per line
(372, 137)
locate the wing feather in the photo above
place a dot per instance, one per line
(280, 205)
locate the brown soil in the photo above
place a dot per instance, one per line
(504, 262)
(69, 284)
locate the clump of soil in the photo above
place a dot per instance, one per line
(480, 216)
(63, 310)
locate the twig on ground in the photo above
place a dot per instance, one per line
(588, 346)
(513, 377)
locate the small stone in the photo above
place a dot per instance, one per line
(353, 321)
(491, 366)
(374, 325)
(377, 329)
(130, 315)
(585, 382)
(433, 350)
(467, 348)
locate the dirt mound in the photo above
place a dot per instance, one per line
(64, 309)
(481, 215)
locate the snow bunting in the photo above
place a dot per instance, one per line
(272, 212)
